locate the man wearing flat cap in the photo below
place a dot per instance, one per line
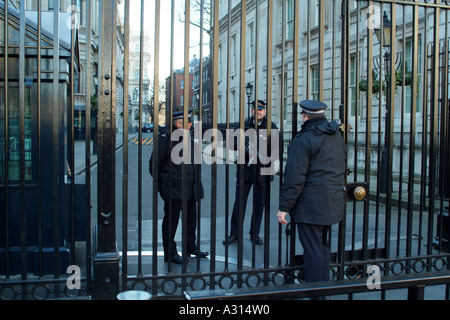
(252, 177)
(170, 188)
(313, 186)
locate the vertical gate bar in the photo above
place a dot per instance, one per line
(389, 130)
(113, 92)
(433, 130)
(198, 133)
(106, 259)
(282, 104)
(358, 111)
(321, 40)
(39, 144)
(215, 107)
(187, 81)
(443, 116)
(227, 116)
(368, 136)
(23, 220)
(269, 89)
(199, 137)
(141, 95)
(55, 135)
(445, 134)
(333, 64)
(256, 45)
(269, 100)
(155, 135)
(88, 144)
(112, 122)
(346, 115)
(308, 50)
(269, 121)
(126, 92)
(295, 71)
(169, 118)
(282, 67)
(253, 222)
(356, 123)
(6, 115)
(345, 45)
(156, 101)
(412, 136)
(402, 122)
(241, 138)
(426, 96)
(441, 84)
(424, 133)
(379, 130)
(71, 143)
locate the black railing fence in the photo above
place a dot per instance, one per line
(83, 218)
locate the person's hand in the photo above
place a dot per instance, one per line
(281, 216)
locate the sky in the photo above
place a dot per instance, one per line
(165, 33)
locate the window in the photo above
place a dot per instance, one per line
(205, 98)
(315, 12)
(219, 107)
(250, 43)
(408, 67)
(234, 116)
(289, 19)
(220, 62)
(205, 75)
(181, 84)
(353, 86)
(13, 135)
(233, 54)
(314, 82)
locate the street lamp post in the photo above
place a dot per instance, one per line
(384, 38)
(249, 91)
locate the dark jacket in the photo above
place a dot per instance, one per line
(252, 171)
(175, 189)
(313, 186)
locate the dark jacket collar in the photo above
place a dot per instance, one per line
(313, 122)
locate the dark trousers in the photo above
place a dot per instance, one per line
(170, 224)
(316, 251)
(258, 208)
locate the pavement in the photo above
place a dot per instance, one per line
(228, 257)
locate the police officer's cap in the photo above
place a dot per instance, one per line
(179, 115)
(261, 104)
(313, 107)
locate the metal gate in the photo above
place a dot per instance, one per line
(81, 215)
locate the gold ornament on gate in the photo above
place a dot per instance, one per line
(359, 193)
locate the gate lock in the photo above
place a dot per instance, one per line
(356, 191)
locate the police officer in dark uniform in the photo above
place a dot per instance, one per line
(313, 186)
(170, 189)
(252, 177)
